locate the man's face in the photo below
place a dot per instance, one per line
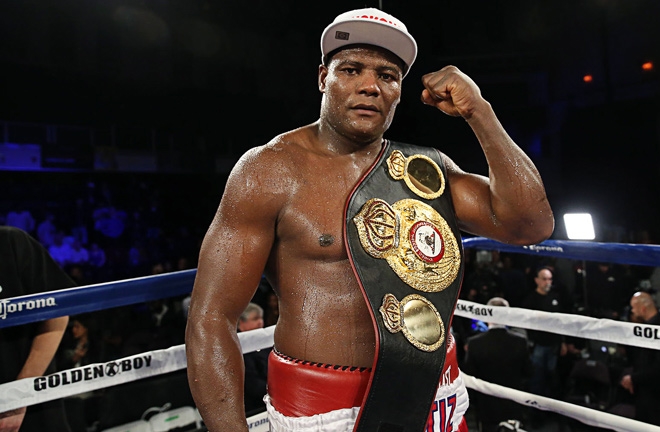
(544, 280)
(361, 88)
(254, 321)
(636, 310)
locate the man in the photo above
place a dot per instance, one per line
(547, 346)
(256, 362)
(27, 350)
(644, 380)
(501, 357)
(283, 213)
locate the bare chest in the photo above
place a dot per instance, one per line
(311, 225)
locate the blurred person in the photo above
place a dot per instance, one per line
(28, 350)
(512, 281)
(21, 219)
(79, 349)
(547, 347)
(282, 213)
(79, 254)
(606, 296)
(256, 362)
(60, 250)
(46, 230)
(96, 255)
(498, 356)
(643, 382)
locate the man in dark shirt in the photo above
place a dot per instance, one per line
(547, 346)
(27, 350)
(501, 357)
(644, 380)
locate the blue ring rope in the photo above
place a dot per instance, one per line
(618, 253)
(73, 301)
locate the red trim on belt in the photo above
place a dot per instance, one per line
(300, 388)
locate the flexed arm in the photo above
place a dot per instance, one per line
(511, 204)
(232, 260)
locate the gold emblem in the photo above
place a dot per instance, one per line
(414, 239)
(417, 318)
(422, 175)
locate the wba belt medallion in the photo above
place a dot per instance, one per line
(413, 238)
(420, 173)
(417, 318)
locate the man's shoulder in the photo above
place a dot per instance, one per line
(280, 151)
(13, 234)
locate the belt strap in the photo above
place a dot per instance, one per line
(394, 239)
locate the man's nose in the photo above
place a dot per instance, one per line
(369, 84)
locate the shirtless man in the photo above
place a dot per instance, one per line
(282, 213)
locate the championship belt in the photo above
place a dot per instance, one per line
(405, 248)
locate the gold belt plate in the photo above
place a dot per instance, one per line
(413, 238)
(417, 318)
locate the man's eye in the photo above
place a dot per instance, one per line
(387, 77)
(350, 70)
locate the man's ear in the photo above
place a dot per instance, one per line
(323, 73)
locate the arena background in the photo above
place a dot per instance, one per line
(144, 106)
(177, 90)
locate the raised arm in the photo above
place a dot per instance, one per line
(510, 205)
(232, 260)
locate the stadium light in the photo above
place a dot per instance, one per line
(579, 226)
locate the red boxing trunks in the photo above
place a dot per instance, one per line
(298, 388)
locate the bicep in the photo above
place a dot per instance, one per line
(471, 197)
(232, 258)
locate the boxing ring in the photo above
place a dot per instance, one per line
(73, 301)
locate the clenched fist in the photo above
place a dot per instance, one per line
(452, 92)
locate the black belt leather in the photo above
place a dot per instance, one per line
(404, 378)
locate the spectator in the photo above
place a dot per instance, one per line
(21, 219)
(80, 348)
(46, 231)
(60, 250)
(547, 346)
(79, 254)
(501, 357)
(256, 362)
(643, 382)
(96, 255)
(28, 350)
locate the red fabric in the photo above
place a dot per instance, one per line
(300, 389)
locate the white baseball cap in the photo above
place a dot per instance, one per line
(373, 27)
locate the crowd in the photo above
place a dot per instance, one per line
(589, 373)
(99, 237)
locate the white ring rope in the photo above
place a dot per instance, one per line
(585, 415)
(29, 391)
(32, 391)
(640, 335)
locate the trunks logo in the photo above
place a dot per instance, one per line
(413, 238)
(426, 242)
(420, 173)
(416, 318)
